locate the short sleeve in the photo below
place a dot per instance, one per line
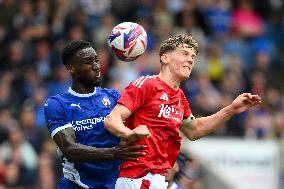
(115, 94)
(187, 110)
(55, 116)
(136, 94)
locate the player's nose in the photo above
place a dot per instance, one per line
(96, 66)
(190, 60)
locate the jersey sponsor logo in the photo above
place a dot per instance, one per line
(45, 104)
(168, 112)
(87, 124)
(75, 105)
(164, 97)
(106, 102)
(139, 82)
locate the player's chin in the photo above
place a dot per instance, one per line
(97, 82)
(184, 77)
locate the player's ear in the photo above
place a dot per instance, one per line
(70, 68)
(165, 58)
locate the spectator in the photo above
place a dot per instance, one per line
(248, 33)
(21, 159)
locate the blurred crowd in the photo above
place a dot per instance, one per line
(240, 51)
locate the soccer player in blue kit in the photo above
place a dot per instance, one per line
(75, 119)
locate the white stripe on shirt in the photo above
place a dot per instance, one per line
(60, 128)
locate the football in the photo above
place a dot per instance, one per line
(127, 41)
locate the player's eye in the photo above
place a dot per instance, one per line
(184, 53)
(88, 61)
(97, 65)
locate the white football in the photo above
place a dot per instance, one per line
(127, 41)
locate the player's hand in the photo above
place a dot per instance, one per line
(128, 152)
(244, 102)
(138, 133)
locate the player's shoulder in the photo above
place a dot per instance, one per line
(53, 98)
(144, 81)
(182, 93)
(183, 96)
(56, 99)
(107, 91)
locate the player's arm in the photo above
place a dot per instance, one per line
(114, 124)
(62, 132)
(76, 152)
(194, 129)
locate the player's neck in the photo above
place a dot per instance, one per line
(82, 89)
(171, 81)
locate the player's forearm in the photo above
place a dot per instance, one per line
(76, 152)
(211, 123)
(205, 125)
(82, 153)
(115, 126)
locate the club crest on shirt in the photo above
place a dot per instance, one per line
(106, 102)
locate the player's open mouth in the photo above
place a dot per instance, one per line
(97, 75)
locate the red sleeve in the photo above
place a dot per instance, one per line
(136, 94)
(187, 110)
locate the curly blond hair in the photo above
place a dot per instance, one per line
(172, 43)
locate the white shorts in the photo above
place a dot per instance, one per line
(150, 181)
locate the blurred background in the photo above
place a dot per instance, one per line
(241, 44)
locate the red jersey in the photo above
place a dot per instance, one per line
(161, 108)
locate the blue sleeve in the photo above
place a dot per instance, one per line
(117, 94)
(114, 93)
(56, 116)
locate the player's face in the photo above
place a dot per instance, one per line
(181, 62)
(87, 67)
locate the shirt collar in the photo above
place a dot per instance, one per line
(71, 91)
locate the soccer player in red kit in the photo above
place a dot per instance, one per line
(154, 109)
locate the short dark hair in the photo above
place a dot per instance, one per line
(71, 48)
(172, 43)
